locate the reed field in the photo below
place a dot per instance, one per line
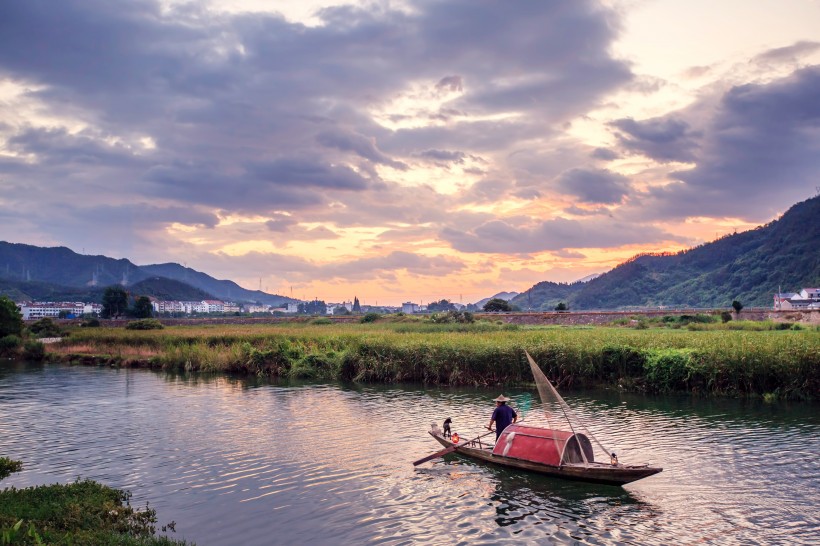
(774, 363)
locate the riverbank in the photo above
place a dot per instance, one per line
(83, 512)
(778, 364)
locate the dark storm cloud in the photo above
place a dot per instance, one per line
(662, 139)
(760, 153)
(501, 237)
(598, 186)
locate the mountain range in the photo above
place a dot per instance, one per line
(750, 267)
(59, 274)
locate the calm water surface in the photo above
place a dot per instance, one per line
(246, 461)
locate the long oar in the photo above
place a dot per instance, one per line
(447, 450)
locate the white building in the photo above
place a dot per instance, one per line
(409, 308)
(807, 298)
(49, 309)
(292, 308)
(214, 306)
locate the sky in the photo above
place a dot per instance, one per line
(397, 151)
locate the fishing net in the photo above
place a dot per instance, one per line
(560, 416)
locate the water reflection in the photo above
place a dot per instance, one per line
(253, 461)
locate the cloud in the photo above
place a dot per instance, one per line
(759, 152)
(363, 146)
(598, 186)
(358, 269)
(788, 53)
(497, 236)
(663, 139)
(444, 156)
(604, 154)
(450, 83)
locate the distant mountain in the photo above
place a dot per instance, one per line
(545, 295)
(749, 266)
(60, 274)
(43, 291)
(224, 290)
(168, 289)
(589, 277)
(506, 296)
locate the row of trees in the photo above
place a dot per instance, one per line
(497, 305)
(115, 304)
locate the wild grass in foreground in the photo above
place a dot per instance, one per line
(84, 512)
(781, 364)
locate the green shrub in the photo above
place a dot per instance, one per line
(34, 350)
(9, 344)
(370, 317)
(144, 324)
(9, 467)
(725, 316)
(84, 512)
(45, 327)
(11, 321)
(91, 323)
(321, 321)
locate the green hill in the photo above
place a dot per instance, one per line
(749, 266)
(59, 274)
(168, 289)
(43, 291)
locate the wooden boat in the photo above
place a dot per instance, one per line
(547, 450)
(550, 452)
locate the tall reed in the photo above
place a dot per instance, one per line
(786, 363)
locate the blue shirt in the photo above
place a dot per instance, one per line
(503, 415)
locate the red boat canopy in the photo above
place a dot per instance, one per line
(543, 445)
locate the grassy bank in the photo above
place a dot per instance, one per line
(84, 512)
(784, 364)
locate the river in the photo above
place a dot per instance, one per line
(251, 461)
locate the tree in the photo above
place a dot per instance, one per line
(442, 305)
(143, 308)
(114, 302)
(315, 307)
(561, 307)
(11, 321)
(357, 308)
(497, 304)
(737, 306)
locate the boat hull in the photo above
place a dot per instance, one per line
(594, 473)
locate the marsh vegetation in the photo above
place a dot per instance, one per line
(701, 357)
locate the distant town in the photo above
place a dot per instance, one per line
(805, 299)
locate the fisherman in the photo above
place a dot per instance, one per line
(503, 415)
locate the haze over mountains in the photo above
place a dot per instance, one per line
(749, 266)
